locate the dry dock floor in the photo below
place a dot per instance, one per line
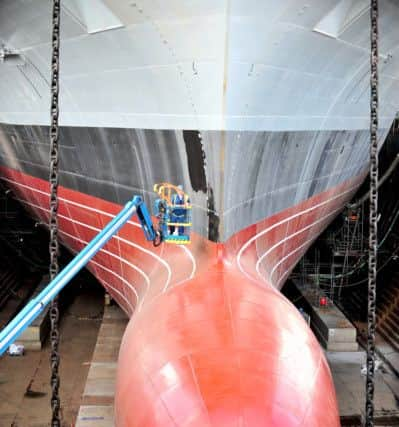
(88, 375)
(97, 401)
(349, 383)
(97, 408)
(79, 330)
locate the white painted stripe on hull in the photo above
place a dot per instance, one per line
(289, 237)
(162, 261)
(111, 254)
(91, 209)
(141, 272)
(298, 248)
(283, 221)
(107, 285)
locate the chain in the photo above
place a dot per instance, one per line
(372, 273)
(54, 249)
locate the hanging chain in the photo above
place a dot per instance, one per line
(372, 272)
(54, 249)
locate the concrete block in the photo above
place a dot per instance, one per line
(329, 324)
(34, 336)
(341, 346)
(333, 325)
(101, 379)
(98, 397)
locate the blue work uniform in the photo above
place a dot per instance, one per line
(178, 214)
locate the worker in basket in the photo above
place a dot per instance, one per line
(180, 202)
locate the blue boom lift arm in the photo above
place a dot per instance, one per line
(33, 309)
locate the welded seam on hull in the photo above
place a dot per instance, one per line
(280, 242)
(272, 227)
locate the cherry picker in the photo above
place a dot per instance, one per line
(163, 232)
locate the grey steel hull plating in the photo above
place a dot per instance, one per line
(234, 179)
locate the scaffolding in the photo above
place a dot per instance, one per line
(346, 247)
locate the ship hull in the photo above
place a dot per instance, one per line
(210, 342)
